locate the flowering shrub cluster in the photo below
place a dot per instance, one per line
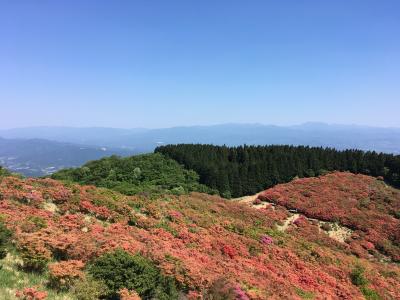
(125, 294)
(64, 274)
(31, 293)
(229, 251)
(267, 240)
(197, 238)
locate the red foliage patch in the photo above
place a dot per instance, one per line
(31, 293)
(63, 274)
(128, 295)
(196, 238)
(359, 202)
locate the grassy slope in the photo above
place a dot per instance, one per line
(12, 278)
(196, 238)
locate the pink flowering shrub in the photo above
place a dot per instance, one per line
(175, 215)
(267, 240)
(34, 197)
(240, 294)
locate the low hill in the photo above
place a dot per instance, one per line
(184, 246)
(39, 157)
(364, 204)
(147, 173)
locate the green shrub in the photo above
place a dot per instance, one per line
(34, 263)
(34, 254)
(396, 214)
(304, 294)
(370, 294)
(33, 224)
(147, 173)
(4, 172)
(357, 276)
(5, 237)
(120, 269)
(88, 289)
(358, 279)
(179, 190)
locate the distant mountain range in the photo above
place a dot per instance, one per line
(145, 140)
(38, 157)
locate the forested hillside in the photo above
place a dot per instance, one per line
(245, 170)
(149, 173)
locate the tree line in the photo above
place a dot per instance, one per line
(245, 170)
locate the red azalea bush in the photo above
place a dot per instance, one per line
(31, 293)
(125, 294)
(100, 212)
(63, 274)
(229, 251)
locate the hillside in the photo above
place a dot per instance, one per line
(366, 205)
(39, 157)
(147, 173)
(190, 245)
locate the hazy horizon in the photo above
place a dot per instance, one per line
(317, 123)
(178, 63)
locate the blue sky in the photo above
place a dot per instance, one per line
(168, 63)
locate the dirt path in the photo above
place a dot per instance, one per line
(287, 222)
(337, 232)
(250, 199)
(246, 199)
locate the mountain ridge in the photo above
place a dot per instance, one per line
(381, 139)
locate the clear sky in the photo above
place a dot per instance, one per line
(167, 63)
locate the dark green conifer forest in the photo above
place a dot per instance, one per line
(245, 170)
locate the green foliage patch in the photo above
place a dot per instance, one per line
(141, 174)
(5, 237)
(358, 278)
(120, 269)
